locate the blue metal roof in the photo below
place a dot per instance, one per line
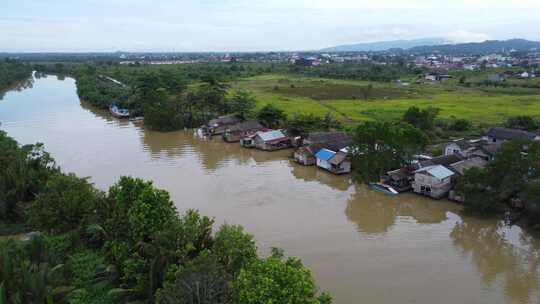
(325, 154)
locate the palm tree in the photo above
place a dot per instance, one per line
(27, 274)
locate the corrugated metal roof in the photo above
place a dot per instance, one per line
(444, 160)
(327, 137)
(438, 171)
(338, 158)
(271, 135)
(246, 126)
(325, 154)
(463, 165)
(510, 134)
(224, 120)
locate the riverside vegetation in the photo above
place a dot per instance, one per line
(12, 72)
(190, 94)
(510, 183)
(129, 244)
(389, 122)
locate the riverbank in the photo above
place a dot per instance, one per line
(358, 243)
(131, 240)
(12, 72)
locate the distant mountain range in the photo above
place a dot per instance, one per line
(432, 45)
(490, 46)
(385, 45)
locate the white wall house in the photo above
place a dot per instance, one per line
(434, 181)
(323, 158)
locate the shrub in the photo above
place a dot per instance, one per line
(522, 122)
(203, 281)
(305, 123)
(234, 247)
(66, 203)
(134, 210)
(29, 275)
(271, 116)
(422, 119)
(460, 125)
(275, 280)
(24, 171)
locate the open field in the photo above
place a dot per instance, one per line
(345, 100)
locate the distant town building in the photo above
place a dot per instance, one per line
(307, 62)
(495, 78)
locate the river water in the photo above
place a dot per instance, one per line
(362, 246)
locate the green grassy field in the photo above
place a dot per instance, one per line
(346, 101)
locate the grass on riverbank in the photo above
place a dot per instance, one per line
(8, 229)
(345, 101)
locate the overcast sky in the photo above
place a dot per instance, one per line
(252, 25)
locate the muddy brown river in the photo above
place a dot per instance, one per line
(362, 246)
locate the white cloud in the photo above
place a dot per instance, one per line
(462, 36)
(248, 25)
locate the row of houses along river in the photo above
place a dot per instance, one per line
(363, 246)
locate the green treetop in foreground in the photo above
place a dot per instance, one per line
(128, 245)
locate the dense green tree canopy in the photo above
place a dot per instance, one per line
(531, 199)
(234, 247)
(513, 173)
(381, 146)
(301, 124)
(30, 273)
(423, 119)
(242, 103)
(135, 210)
(275, 280)
(479, 196)
(271, 116)
(65, 203)
(13, 71)
(358, 71)
(23, 172)
(522, 122)
(202, 281)
(459, 125)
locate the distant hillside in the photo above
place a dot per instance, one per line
(490, 46)
(385, 45)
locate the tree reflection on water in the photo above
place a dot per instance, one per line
(376, 213)
(502, 255)
(18, 86)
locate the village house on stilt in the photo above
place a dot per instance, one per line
(433, 181)
(314, 142)
(219, 125)
(241, 130)
(336, 162)
(267, 141)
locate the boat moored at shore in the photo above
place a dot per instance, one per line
(383, 188)
(119, 112)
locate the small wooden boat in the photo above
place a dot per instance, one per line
(119, 112)
(137, 119)
(383, 188)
